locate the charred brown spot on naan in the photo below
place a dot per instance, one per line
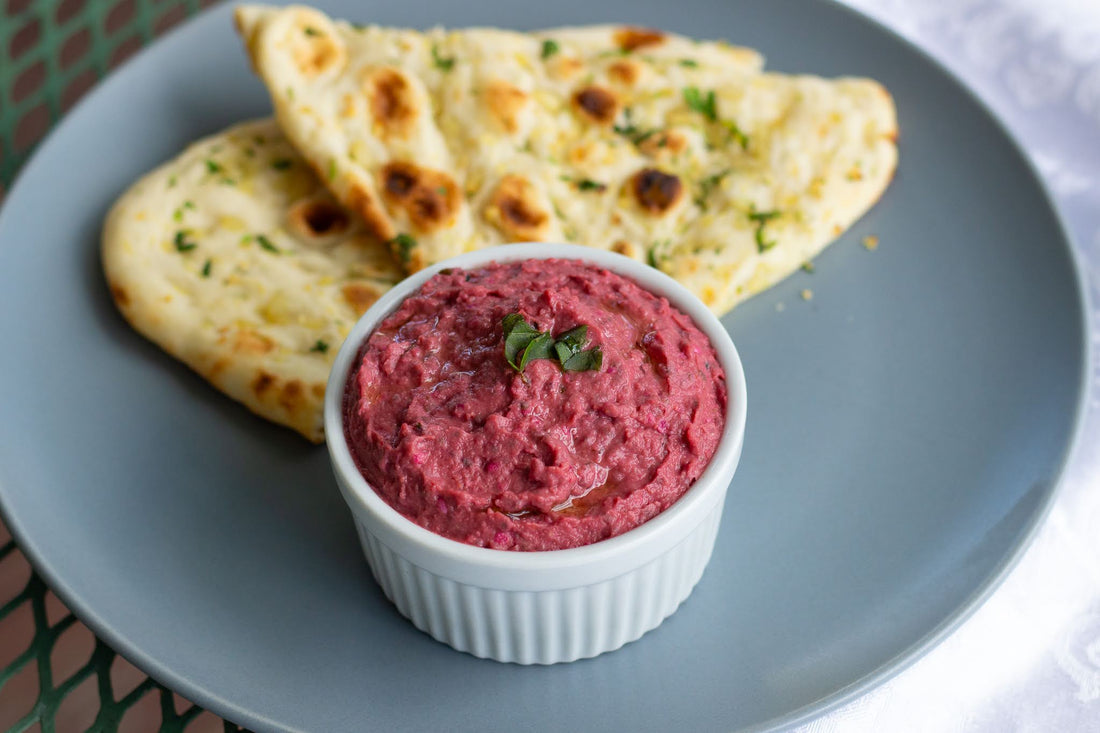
(430, 198)
(246, 341)
(359, 296)
(318, 390)
(655, 191)
(219, 366)
(317, 218)
(623, 247)
(505, 104)
(361, 199)
(624, 72)
(515, 210)
(632, 38)
(564, 68)
(288, 398)
(314, 45)
(393, 103)
(668, 142)
(121, 297)
(292, 396)
(596, 104)
(262, 383)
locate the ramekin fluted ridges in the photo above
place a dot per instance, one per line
(541, 607)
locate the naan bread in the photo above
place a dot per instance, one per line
(680, 153)
(237, 261)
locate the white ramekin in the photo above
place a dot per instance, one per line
(541, 607)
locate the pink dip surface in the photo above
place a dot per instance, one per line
(456, 440)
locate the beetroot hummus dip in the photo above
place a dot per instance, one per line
(455, 438)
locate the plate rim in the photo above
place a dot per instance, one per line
(916, 651)
(889, 669)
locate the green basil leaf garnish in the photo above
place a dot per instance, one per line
(540, 347)
(736, 134)
(523, 343)
(704, 104)
(575, 338)
(761, 218)
(182, 243)
(589, 360)
(267, 244)
(518, 335)
(707, 185)
(403, 244)
(443, 63)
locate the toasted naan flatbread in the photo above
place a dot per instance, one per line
(237, 261)
(684, 154)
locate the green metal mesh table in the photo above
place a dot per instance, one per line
(55, 676)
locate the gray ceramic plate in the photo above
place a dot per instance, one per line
(907, 429)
